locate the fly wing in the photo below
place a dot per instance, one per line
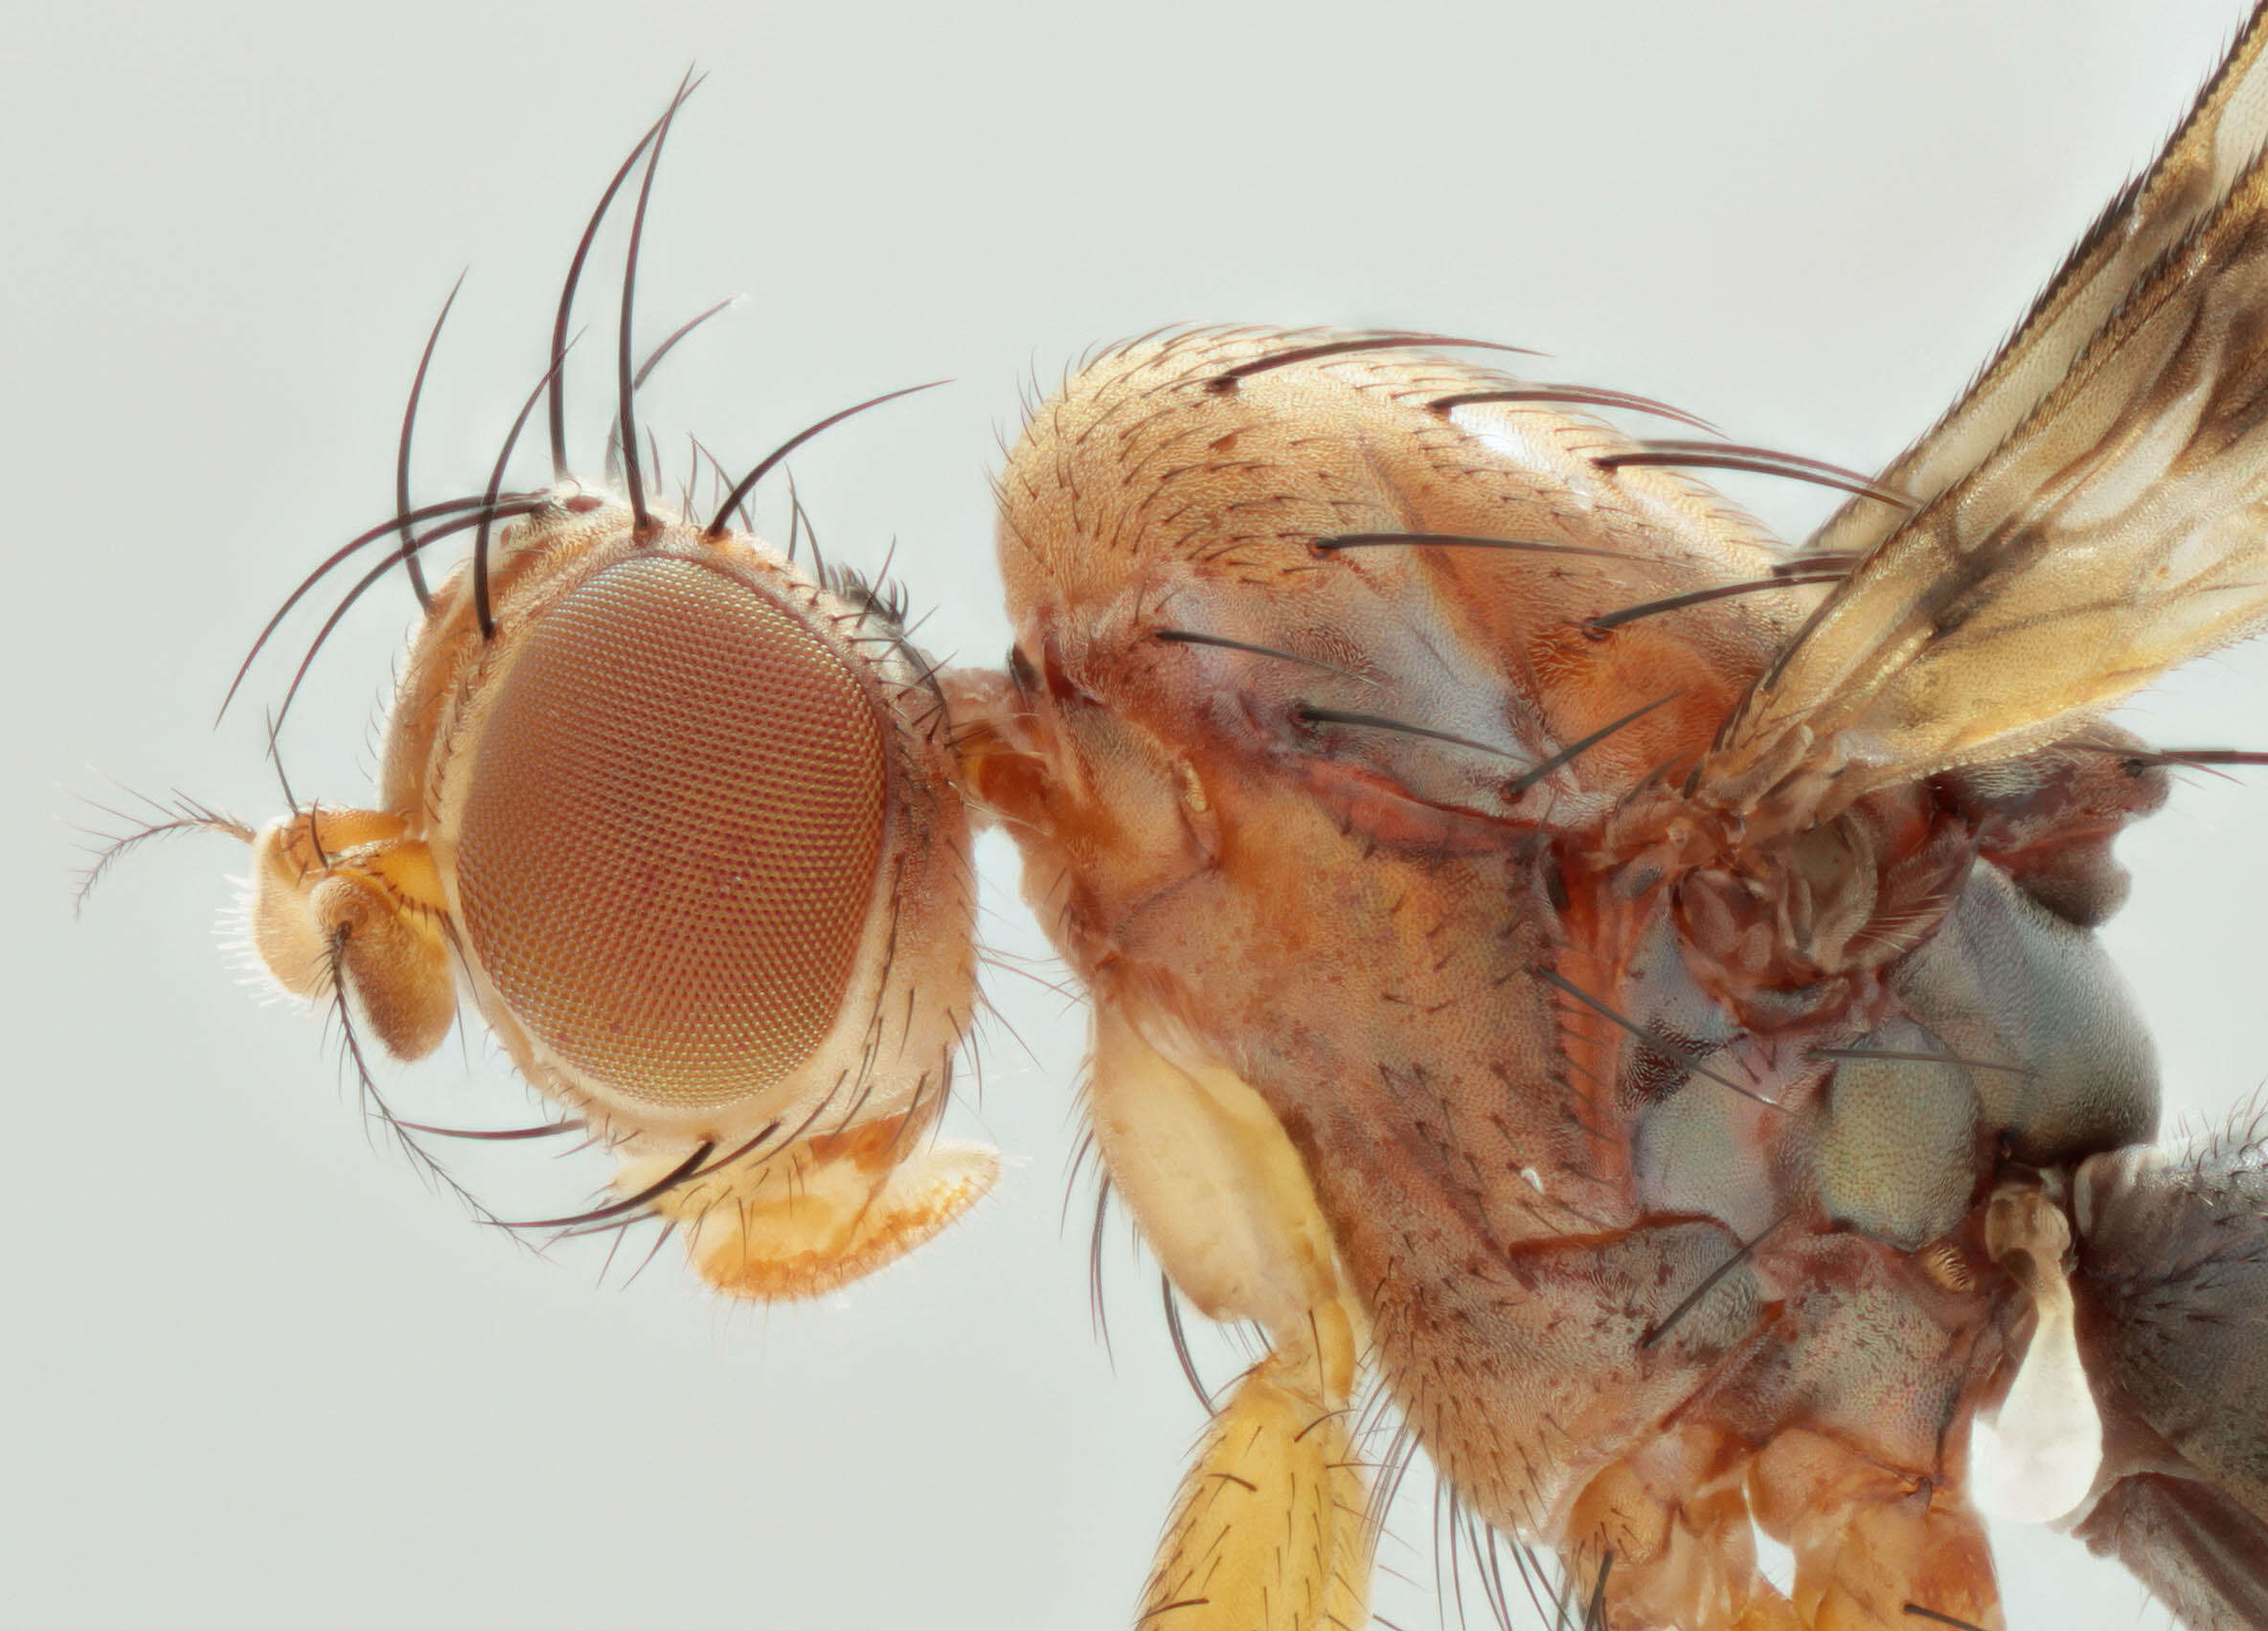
(2193, 176)
(2094, 512)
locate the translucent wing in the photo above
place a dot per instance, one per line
(2094, 512)
(2205, 159)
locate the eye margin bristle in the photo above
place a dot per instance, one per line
(565, 313)
(393, 523)
(717, 528)
(483, 608)
(640, 519)
(505, 510)
(401, 454)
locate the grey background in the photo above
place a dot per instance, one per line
(251, 1373)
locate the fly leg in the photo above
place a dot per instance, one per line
(1268, 1532)
(1268, 1529)
(1669, 1525)
(1875, 1549)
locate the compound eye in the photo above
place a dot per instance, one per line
(669, 851)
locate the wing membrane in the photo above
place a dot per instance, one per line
(2214, 146)
(2096, 512)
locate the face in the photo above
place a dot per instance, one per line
(265, 1359)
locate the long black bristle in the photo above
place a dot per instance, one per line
(1181, 1342)
(1527, 779)
(483, 609)
(373, 1100)
(1594, 1615)
(1708, 1284)
(2199, 756)
(653, 360)
(566, 311)
(626, 390)
(401, 456)
(499, 1135)
(661, 1185)
(1308, 713)
(1755, 460)
(1715, 592)
(275, 758)
(740, 489)
(1653, 1040)
(362, 586)
(653, 357)
(748, 1147)
(360, 541)
(1582, 396)
(1098, 1313)
(1844, 561)
(1228, 378)
(1191, 636)
(1458, 541)
(1920, 1613)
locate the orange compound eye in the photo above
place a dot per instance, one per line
(668, 856)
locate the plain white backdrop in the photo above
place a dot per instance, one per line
(251, 1373)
